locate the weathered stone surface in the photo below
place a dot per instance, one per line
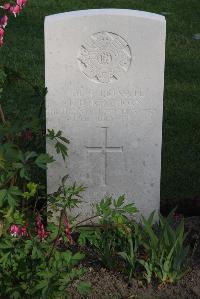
(105, 78)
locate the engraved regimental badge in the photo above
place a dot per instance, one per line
(104, 57)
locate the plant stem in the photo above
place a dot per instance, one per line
(105, 226)
(58, 234)
(87, 219)
(2, 116)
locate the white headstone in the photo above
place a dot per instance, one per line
(105, 79)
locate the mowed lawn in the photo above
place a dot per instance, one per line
(24, 52)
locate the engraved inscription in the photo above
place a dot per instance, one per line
(104, 57)
(105, 149)
(100, 104)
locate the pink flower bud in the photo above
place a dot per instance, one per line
(1, 33)
(40, 228)
(18, 231)
(4, 21)
(15, 10)
(6, 6)
(15, 230)
(68, 231)
(24, 231)
(20, 2)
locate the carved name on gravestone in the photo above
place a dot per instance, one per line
(105, 78)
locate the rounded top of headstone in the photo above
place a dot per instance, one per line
(109, 11)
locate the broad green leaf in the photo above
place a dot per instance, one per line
(18, 165)
(42, 160)
(3, 194)
(30, 155)
(24, 173)
(61, 149)
(150, 232)
(130, 208)
(119, 202)
(124, 256)
(15, 191)
(41, 285)
(4, 259)
(64, 139)
(68, 257)
(77, 257)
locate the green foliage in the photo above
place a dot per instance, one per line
(2, 80)
(31, 263)
(32, 189)
(60, 142)
(114, 211)
(10, 197)
(28, 269)
(131, 251)
(18, 165)
(66, 197)
(165, 248)
(158, 249)
(110, 235)
(42, 160)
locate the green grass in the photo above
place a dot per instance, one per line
(24, 51)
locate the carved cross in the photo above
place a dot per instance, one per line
(105, 149)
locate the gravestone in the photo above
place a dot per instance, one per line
(105, 78)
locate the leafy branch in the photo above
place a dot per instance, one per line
(61, 142)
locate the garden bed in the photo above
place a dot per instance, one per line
(109, 284)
